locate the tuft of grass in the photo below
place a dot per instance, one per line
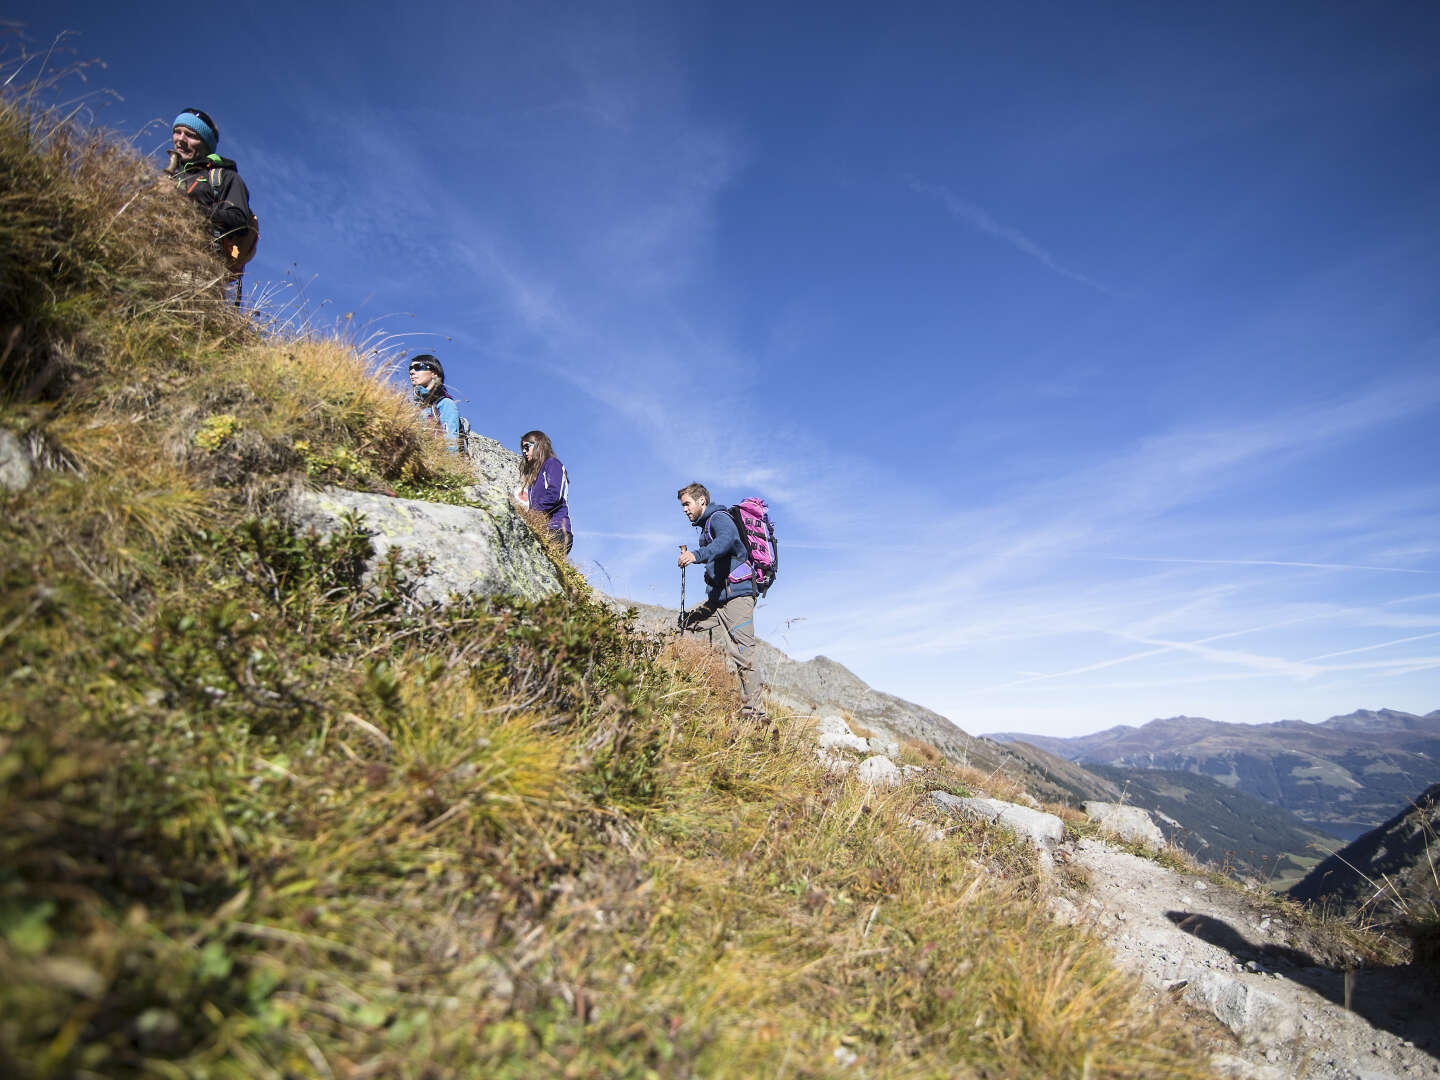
(1406, 904)
(571, 579)
(919, 752)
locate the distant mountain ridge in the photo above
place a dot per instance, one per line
(1343, 776)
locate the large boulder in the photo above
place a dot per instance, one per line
(497, 472)
(1128, 822)
(1041, 829)
(1254, 1015)
(468, 551)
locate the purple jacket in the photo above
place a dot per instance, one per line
(548, 492)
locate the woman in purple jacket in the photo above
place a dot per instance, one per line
(545, 485)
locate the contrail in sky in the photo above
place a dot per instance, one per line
(1270, 562)
(1370, 648)
(980, 218)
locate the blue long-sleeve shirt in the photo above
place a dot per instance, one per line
(446, 413)
(727, 573)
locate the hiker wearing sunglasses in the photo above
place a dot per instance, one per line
(212, 183)
(437, 404)
(730, 590)
(545, 486)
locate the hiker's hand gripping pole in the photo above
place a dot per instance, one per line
(682, 593)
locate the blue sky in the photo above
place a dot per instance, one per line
(1089, 355)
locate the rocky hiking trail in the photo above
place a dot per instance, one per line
(1273, 996)
(1222, 952)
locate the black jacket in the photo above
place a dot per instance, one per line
(218, 191)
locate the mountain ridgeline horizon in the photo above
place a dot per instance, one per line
(1345, 775)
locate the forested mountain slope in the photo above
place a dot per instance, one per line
(1394, 870)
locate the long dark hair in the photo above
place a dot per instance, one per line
(530, 467)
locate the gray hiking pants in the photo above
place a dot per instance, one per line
(736, 618)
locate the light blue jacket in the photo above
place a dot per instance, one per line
(445, 412)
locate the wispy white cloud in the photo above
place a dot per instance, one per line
(1019, 579)
(1266, 562)
(1416, 599)
(638, 538)
(1409, 663)
(979, 218)
(1428, 664)
(1255, 661)
(1264, 664)
(1371, 648)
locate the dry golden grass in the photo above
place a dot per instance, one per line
(687, 655)
(921, 752)
(995, 784)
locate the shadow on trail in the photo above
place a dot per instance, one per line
(1401, 1000)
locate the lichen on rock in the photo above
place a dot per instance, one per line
(463, 550)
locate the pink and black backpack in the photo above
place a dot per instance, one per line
(752, 518)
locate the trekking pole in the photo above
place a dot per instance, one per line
(682, 591)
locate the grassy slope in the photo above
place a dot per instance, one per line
(256, 822)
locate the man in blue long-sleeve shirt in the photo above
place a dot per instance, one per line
(730, 589)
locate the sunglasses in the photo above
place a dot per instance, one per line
(526, 445)
(421, 367)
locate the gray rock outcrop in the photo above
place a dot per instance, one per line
(1041, 829)
(832, 724)
(1128, 822)
(470, 551)
(1252, 1014)
(497, 473)
(879, 745)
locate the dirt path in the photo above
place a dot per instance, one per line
(1219, 951)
